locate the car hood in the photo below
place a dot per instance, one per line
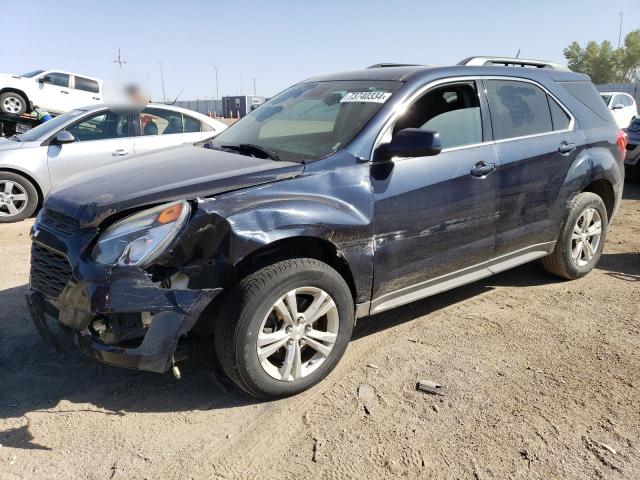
(183, 172)
(7, 144)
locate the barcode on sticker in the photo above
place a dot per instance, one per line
(374, 97)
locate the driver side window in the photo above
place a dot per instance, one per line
(101, 126)
(452, 110)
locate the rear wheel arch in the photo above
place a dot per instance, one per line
(604, 189)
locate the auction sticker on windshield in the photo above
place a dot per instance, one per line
(373, 97)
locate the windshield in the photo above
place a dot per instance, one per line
(606, 97)
(32, 74)
(308, 121)
(47, 128)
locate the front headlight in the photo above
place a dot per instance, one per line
(140, 238)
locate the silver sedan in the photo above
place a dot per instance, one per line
(85, 139)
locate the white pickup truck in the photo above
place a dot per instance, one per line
(54, 90)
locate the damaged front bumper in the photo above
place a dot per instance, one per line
(143, 321)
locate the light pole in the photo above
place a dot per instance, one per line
(214, 103)
(164, 97)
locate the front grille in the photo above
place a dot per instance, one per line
(61, 223)
(50, 271)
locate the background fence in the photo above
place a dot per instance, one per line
(206, 107)
(632, 89)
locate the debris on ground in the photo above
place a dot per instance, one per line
(429, 386)
(317, 445)
(367, 396)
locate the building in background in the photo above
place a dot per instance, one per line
(239, 106)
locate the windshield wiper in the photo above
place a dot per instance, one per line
(252, 147)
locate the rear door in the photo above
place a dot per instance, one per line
(160, 128)
(537, 144)
(102, 138)
(85, 92)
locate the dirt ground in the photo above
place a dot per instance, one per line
(541, 380)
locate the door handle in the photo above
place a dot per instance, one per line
(66, 93)
(482, 169)
(566, 147)
(120, 153)
(95, 98)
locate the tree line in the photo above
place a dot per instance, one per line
(605, 64)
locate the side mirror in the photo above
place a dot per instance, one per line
(617, 106)
(44, 79)
(410, 142)
(63, 137)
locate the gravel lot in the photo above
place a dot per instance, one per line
(541, 380)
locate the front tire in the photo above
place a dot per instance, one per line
(14, 103)
(18, 198)
(283, 328)
(581, 239)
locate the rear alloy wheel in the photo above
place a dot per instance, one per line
(18, 198)
(581, 239)
(283, 328)
(14, 103)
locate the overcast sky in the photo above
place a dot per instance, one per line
(281, 42)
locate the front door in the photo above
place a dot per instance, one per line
(435, 217)
(102, 138)
(54, 93)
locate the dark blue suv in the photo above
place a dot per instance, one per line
(343, 196)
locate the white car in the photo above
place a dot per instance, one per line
(85, 139)
(54, 90)
(622, 106)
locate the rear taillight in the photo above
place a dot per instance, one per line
(621, 140)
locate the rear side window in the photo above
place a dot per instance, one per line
(586, 93)
(156, 121)
(518, 109)
(626, 100)
(86, 85)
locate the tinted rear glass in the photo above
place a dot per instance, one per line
(518, 109)
(589, 96)
(87, 85)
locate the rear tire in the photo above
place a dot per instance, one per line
(18, 198)
(266, 352)
(581, 239)
(14, 103)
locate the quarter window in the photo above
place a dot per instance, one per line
(517, 109)
(559, 117)
(86, 85)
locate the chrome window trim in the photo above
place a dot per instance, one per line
(399, 110)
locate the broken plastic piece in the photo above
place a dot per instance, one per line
(429, 386)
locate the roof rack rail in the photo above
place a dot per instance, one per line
(388, 65)
(512, 62)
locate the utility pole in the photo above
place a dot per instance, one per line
(217, 93)
(164, 97)
(254, 88)
(119, 60)
(241, 87)
(620, 31)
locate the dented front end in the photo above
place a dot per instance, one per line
(121, 315)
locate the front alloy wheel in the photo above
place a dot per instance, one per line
(283, 328)
(298, 333)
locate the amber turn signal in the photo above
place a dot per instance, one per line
(170, 214)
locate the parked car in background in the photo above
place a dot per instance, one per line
(632, 160)
(85, 139)
(54, 90)
(622, 106)
(344, 196)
